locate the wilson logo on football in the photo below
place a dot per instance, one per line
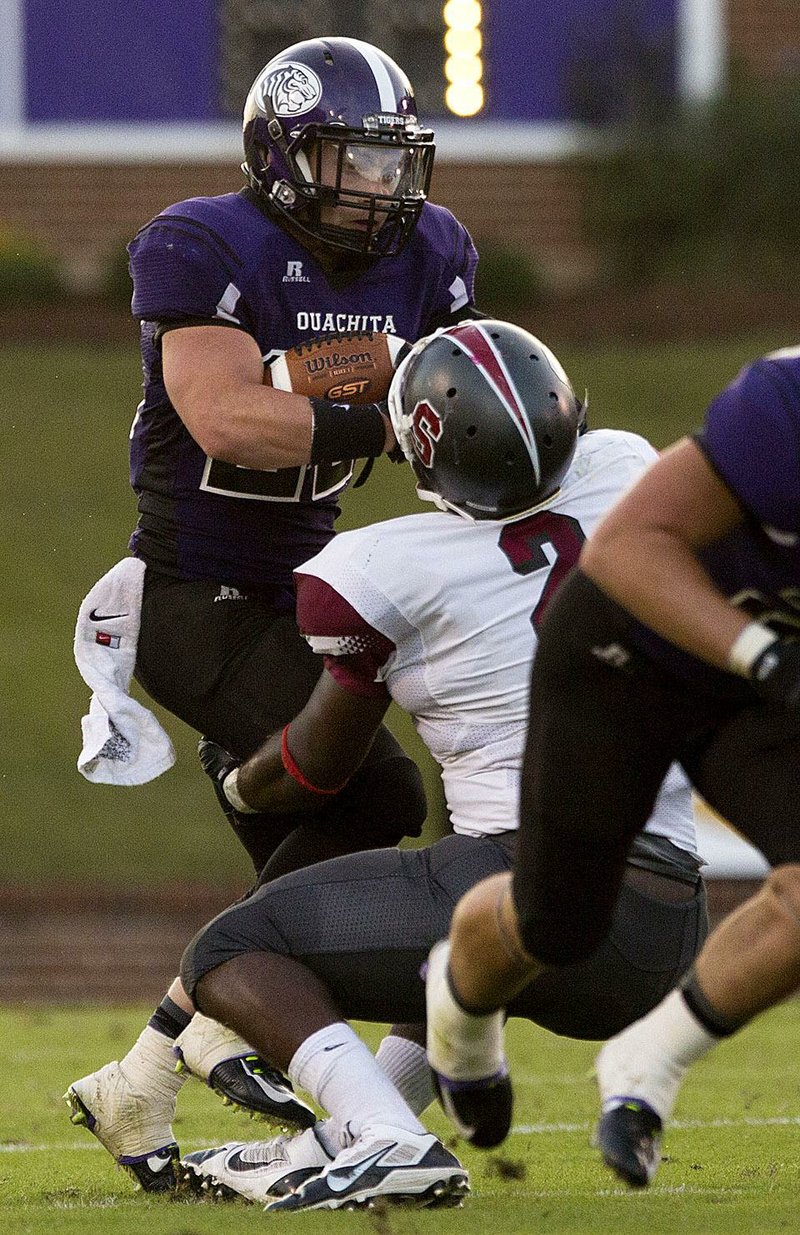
(337, 360)
(347, 390)
(426, 429)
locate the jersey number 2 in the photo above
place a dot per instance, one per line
(542, 540)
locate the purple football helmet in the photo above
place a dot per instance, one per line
(332, 142)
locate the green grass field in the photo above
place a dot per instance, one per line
(67, 512)
(732, 1160)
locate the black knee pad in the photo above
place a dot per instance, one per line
(565, 936)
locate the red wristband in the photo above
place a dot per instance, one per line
(295, 772)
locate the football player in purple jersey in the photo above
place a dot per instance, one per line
(677, 638)
(238, 483)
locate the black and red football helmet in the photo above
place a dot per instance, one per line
(487, 418)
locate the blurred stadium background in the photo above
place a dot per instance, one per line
(629, 171)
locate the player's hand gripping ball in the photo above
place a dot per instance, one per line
(354, 368)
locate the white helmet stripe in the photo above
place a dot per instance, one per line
(381, 74)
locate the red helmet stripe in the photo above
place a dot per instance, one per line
(480, 348)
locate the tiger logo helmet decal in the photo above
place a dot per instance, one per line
(292, 88)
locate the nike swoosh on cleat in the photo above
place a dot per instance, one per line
(335, 1046)
(338, 1183)
(272, 1091)
(235, 1163)
(157, 1163)
(94, 616)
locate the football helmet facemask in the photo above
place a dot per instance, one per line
(487, 418)
(333, 144)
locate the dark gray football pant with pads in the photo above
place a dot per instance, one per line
(364, 924)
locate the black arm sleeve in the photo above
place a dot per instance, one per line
(175, 323)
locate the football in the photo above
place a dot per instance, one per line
(352, 368)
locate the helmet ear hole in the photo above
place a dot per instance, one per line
(452, 392)
(472, 430)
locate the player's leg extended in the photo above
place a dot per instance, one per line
(586, 792)
(187, 644)
(749, 963)
(387, 906)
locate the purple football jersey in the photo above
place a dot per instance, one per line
(223, 260)
(751, 437)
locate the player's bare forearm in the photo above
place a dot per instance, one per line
(266, 786)
(315, 756)
(644, 554)
(488, 961)
(214, 377)
(240, 413)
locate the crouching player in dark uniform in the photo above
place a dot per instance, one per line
(439, 612)
(238, 483)
(678, 638)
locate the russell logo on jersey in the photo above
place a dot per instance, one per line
(294, 273)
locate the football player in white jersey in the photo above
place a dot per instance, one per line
(437, 611)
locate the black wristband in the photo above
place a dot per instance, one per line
(345, 431)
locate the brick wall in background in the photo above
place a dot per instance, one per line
(764, 35)
(83, 211)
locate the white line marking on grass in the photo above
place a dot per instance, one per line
(775, 1121)
(627, 1194)
(22, 1147)
(771, 1122)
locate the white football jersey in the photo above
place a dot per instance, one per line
(455, 605)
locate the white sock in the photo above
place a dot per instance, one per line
(648, 1060)
(150, 1066)
(461, 1046)
(342, 1075)
(406, 1065)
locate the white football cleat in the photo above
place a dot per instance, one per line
(243, 1080)
(134, 1127)
(402, 1167)
(255, 1170)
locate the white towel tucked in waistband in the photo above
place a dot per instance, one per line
(123, 743)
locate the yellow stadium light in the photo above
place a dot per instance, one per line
(463, 67)
(462, 14)
(464, 100)
(463, 42)
(466, 70)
